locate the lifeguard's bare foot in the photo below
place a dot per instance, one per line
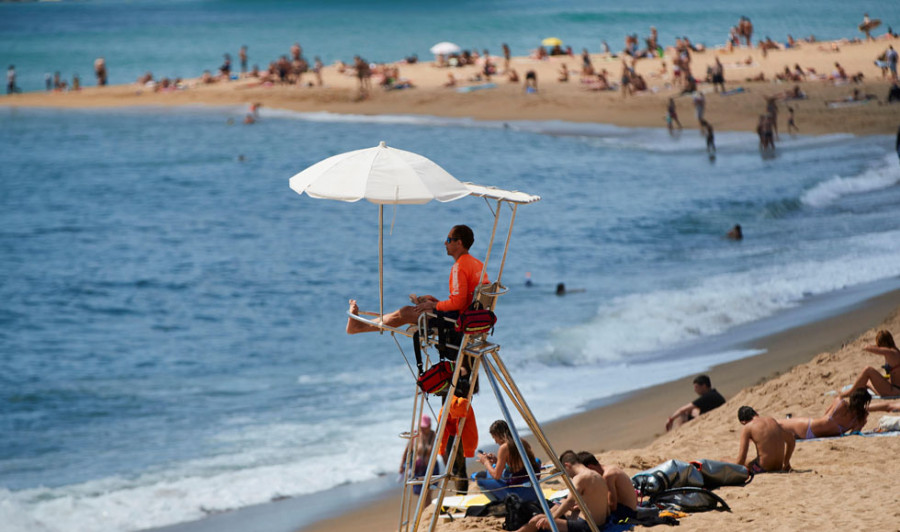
(354, 326)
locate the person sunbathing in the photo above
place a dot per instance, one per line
(885, 406)
(871, 377)
(841, 417)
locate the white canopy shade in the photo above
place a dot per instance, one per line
(445, 48)
(381, 175)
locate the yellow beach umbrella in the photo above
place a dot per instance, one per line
(551, 41)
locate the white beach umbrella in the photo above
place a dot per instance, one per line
(445, 48)
(381, 175)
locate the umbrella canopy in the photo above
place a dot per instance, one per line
(381, 175)
(445, 48)
(551, 41)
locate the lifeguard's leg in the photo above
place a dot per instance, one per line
(404, 316)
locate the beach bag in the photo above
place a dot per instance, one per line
(436, 380)
(689, 499)
(717, 474)
(667, 475)
(476, 320)
(519, 512)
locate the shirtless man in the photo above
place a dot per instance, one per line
(463, 282)
(592, 488)
(622, 497)
(774, 445)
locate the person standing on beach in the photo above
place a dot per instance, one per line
(772, 111)
(774, 445)
(709, 399)
(424, 443)
(242, 55)
(710, 138)
(11, 79)
(699, 106)
(672, 115)
(100, 71)
(718, 76)
(506, 57)
(791, 125)
(463, 282)
(626, 79)
(890, 57)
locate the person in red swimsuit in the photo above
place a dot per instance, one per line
(463, 281)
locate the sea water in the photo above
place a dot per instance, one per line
(182, 38)
(172, 314)
(172, 327)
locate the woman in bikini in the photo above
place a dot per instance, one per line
(885, 386)
(505, 471)
(841, 417)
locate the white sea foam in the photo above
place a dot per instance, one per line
(882, 174)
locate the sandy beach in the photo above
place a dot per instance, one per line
(554, 100)
(837, 483)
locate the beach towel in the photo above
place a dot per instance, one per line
(849, 103)
(472, 88)
(871, 434)
(736, 90)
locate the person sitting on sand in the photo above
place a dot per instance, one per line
(594, 492)
(531, 81)
(512, 76)
(563, 73)
(504, 472)
(622, 497)
(839, 74)
(841, 417)
(887, 384)
(709, 399)
(451, 80)
(774, 444)
(463, 282)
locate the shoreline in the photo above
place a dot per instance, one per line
(570, 101)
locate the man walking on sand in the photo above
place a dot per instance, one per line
(774, 445)
(593, 491)
(463, 282)
(709, 399)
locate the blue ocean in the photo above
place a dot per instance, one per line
(172, 315)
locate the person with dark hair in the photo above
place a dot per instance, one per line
(622, 497)
(505, 472)
(886, 384)
(593, 491)
(844, 415)
(709, 399)
(463, 281)
(774, 444)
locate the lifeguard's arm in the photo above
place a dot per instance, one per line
(789, 441)
(744, 446)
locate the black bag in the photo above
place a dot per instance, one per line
(519, 512)
(689, 499)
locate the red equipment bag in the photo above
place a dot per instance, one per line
(475, 321)
(436, 380)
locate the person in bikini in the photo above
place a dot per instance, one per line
(463, 282)
(870, 377)
(594, 492)
(774, 444)
(505, 472)
(844, 415)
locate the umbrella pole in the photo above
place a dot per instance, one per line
(381, 264)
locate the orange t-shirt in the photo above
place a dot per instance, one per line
(463, 281)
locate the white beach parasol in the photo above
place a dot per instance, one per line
(445, 48)
(381, 175)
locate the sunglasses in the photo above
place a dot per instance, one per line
(450, 239)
